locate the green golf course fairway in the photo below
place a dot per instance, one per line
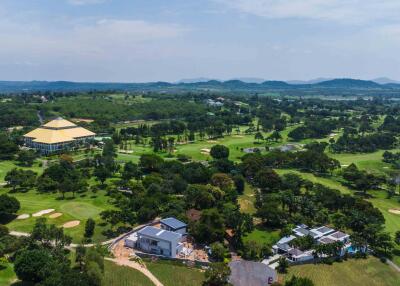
(368, 272)
(6, 166)
(79, 208)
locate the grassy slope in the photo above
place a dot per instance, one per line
(383, 204)
(7, 275)
(369, 272)
(123, 276)
(80, 208)
(6, 166)
(327, 181)
(175, 275)
(367, 161)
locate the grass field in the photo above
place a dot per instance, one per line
(368, 272)
(80, 208)
(327, 181)
(6, 166)
(7, 275)
(171, 274)
(380, 201)
(367, 161)
(115, 275)
(262, 235)
(247, 199)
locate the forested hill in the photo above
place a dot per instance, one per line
(212, 85)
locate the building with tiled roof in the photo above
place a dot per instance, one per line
(57, 135)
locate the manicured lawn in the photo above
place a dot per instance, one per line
(367, 161)
(233, 142)
(7, 275)
(262, 235)
(79, 208)
(327, 181)
(379, 200)
(6, 166)
(368, 272)
(171, 274)
(115, 275)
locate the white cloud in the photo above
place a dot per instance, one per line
(102, 40)
(128, 30)
(342, 11)
(85, 2)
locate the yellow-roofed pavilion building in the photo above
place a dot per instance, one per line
(57, 135)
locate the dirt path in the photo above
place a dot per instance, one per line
(391, 263)
(137, 266)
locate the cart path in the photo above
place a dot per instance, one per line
(137, 266)
(395, 266)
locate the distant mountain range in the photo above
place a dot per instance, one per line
(385, 80)
(242, 84)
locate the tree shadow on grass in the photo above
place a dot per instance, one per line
(6, 218)
(22, 283)
(363, 195)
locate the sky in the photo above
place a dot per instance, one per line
(168, 40)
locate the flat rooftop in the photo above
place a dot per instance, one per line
(158, 233)
(173, 223)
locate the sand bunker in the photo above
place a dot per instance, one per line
(238, 136)
(394, 211)
(23, 216)
(205, 150)
(70, 224)
(43, 212)
(55, 215)
(212, 141)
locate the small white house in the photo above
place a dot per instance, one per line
(131, 240)
(282, 246)
(322, 231)
(159, 241)
(296, 255)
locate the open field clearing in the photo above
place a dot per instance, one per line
(246, 201)
(262, 235)
(369, 272)
(115, 275)
(169, 273)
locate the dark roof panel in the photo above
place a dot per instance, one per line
(338, 234)
(173, 223)
(158, 233)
